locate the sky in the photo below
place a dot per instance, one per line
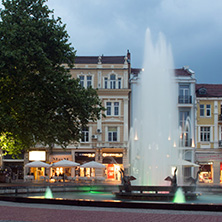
(193, 28)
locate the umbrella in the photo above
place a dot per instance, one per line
(185, 163)
(93, 164)
(65, 163)
(37, 164)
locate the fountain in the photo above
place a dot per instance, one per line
(154, 135)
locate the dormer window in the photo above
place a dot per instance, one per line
(202, 91)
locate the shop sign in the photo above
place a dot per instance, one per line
(112, 155)
(89, 155)
(110, 171)
(56, 158)
(112, 158)
(37, 156)
(209, 157)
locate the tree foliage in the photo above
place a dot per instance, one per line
(39, 101)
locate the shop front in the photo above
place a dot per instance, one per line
(206, 173)
(60, 171)
(113, 162)
(14, 167)
(211, 167)
(81, 158)
(37, 172)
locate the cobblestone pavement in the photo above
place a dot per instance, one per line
(21, 212)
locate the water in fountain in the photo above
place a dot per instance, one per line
(179, 196)
(154, 134)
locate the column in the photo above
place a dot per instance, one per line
(216, 173)
(215, 113)
(126, 104)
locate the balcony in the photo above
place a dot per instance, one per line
(186, 143)
(184, 99)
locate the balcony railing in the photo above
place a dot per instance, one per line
(185, 99)
(186, 143)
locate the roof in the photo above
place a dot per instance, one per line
(135, 71)
(96, 59)
(178, 72)
(209, 90)
(183, 72)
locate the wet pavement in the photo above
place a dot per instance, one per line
(21, 212)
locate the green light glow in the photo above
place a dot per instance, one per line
(179, 196)
(97, 192)
(48, 193)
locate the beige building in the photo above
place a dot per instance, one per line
(209, 132)
(106, 140)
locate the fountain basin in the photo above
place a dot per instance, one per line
(156, 193)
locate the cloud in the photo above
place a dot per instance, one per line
(192, 27)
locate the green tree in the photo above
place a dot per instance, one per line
(39, 101)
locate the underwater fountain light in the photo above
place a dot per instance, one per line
(48, 193)
(179, 196)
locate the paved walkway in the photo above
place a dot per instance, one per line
(21, 212)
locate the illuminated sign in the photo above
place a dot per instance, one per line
(37, 155)
(85, 154)
(113, 154)
(110, 171)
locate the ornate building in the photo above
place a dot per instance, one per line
(106, 140)
(209, 132)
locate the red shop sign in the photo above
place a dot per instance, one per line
(110, 171)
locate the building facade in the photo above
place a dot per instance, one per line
(185, 81)
(185, 84)
(208, 132)
(106, 140)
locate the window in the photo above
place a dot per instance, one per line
(184, 94)
(108, 108)
(205, 134)
(208, 110)
(202, 91)
(112, 134)
(183, 117)
(202, 110)
(106, 83)
(85, 135)
(119, 83)
(112, 81)
(89, 81)
(112, 108)
(116, 108)
(81, 81)
(85, 80)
